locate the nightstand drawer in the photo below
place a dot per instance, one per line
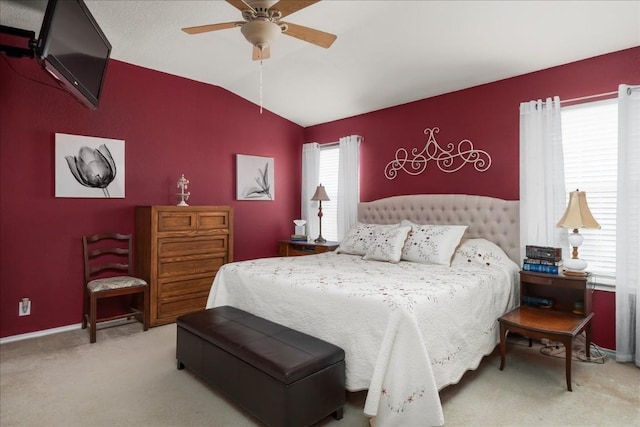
(557, 280)
(538, 280)
(296, 250)
(289, 248)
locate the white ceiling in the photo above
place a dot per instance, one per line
(387, 52)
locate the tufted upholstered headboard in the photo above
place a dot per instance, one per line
(493, 219)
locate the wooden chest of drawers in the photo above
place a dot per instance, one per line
(178, 252)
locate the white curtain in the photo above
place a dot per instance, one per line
(348, 183)
(310, 179)
(628, 227)
(542, 189)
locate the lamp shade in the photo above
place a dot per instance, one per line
(578, 214)
(320, 194)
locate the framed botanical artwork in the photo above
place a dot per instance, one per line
(87, 166)
(254, 178)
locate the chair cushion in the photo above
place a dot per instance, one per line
(116, 282)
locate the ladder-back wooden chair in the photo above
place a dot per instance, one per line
(108, 272)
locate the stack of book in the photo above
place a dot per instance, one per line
(299, 238)
(542, 259)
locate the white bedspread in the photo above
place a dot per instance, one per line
(408, 329)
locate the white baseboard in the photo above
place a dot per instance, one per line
(36, 334)
(42, 333)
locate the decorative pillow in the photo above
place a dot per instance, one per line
(360, 236)
(432, 244)
(482, 252)
(388, 244)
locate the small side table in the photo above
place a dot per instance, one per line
(557, 323)
(289, 248)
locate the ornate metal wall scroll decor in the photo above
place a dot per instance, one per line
(447, 159)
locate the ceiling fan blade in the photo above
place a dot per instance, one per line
(259, 54)
(317, 37)
(212, 27)
(239, 4)
(287, 7)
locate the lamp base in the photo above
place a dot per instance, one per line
(320, 239)
(575, 273)
(575, 267)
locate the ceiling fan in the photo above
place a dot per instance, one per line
(262, 25)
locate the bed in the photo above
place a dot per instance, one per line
(410, 324)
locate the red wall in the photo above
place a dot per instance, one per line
(488, 115)
(171, 126)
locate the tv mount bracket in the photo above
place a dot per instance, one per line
(19, 52)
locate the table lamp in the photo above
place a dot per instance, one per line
(320, 195)
(576, 216)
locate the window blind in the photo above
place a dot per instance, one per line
(590, 148)
(329, 161)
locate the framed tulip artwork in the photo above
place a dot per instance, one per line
(254, 178)
(88, 166)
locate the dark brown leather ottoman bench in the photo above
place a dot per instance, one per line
(280, 376)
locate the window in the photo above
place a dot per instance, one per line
(329, 159)
(590, 145)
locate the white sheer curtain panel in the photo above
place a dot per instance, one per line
(310, 178)
(628, 227)
(348, 183)
(542, 188)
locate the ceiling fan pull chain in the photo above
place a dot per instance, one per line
(261, 86)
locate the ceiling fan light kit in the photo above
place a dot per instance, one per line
(262, 24)
(261, 32)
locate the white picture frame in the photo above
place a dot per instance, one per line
(89, 167)
(255, 177)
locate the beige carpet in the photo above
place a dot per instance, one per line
(129, 378)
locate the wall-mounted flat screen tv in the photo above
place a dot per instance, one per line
(72, 47)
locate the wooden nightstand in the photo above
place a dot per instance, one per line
(560, 322)
(289, 248)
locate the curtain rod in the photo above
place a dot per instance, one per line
(599, 95)
(329, 144)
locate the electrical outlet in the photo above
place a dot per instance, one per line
(24, 307)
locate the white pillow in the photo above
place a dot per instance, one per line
(360, 237)
(432, 244)
(482, 252)
(388, 244)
